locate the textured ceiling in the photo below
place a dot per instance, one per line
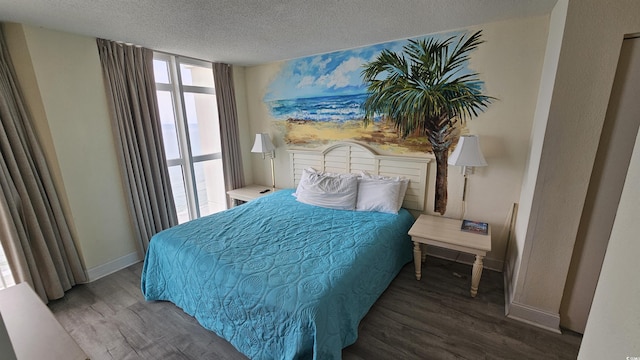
(249, 32)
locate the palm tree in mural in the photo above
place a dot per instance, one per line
(425, 91)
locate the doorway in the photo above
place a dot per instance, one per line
(605, 187)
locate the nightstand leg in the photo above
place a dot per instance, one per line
(475, 276)
(423, 248)
(417, 259)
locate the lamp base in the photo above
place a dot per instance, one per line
(464, 197)
(466, 170)
(273, 174)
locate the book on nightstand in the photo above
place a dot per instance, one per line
(475, 227)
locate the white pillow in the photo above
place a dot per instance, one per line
(404, 184)
(304, 179)
(378, 195)
(335, 191)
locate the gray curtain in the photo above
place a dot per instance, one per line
(130, 85)
(34, 232)
(229, 133)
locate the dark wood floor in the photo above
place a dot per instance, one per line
(429, 319)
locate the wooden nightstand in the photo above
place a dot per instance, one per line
(446, 233)
(250, 192)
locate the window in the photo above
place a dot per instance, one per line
(6, 279)
(191, 133)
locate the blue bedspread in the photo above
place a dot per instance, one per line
(277, 278)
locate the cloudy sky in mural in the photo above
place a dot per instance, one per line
(331, 74)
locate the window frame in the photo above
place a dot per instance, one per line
(186, 158)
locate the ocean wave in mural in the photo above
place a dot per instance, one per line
(337, 108)
(318, 99)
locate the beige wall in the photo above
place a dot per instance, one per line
(590, 46)
(514, 260)
(510, 63)
(613, 328)
(62, 80)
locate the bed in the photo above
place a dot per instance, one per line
(281, 279)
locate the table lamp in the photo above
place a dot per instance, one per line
(468, 155)
(263, 145)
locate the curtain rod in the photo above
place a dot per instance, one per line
(189, 57)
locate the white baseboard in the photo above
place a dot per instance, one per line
(533, 316)
(525, 313)
(112, 266)
(457, 256)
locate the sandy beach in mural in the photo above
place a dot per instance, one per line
(382, 135)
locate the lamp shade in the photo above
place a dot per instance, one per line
(467, 152)
(262, 144)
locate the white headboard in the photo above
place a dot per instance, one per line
(352, 157)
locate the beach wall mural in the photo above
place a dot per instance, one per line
(317, 99)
